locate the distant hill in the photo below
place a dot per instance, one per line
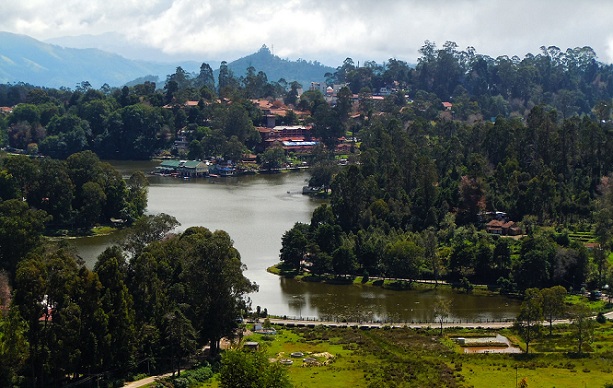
(115, 42)
(276, 68)
(24, 59)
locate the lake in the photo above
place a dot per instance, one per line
(256, 210)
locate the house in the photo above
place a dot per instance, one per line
(289, 137)
(320, 86)
(447, 105)
(168, 167)
(222, 168)
(185, 168)
(502, 228)
(193, 169)
(186, 104)
(271, 110)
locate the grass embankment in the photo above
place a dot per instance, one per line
(99, 230)
(420, 358)
(102, 230)
(281, 269)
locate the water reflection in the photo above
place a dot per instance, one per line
(372, 304)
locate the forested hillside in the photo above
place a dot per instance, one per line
(526, 142)
(275, 68)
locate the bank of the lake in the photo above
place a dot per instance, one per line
(256, 210)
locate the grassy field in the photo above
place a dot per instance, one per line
(421, 358)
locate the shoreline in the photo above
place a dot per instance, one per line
(393, 284)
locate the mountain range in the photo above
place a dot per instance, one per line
(25, 59)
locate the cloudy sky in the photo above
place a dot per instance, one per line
(324, 30)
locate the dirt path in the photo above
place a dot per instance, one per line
(472, 325)
(145, 381)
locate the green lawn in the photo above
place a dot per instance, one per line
(421, 358)
(554, 364)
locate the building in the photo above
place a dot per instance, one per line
(193, 169)
(502, 228)
(168, 167)
(292, 138)
(184, 168)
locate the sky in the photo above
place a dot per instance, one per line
(324, 30)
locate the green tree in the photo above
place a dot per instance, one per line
(117, 304)
(214, 283)
(72, 131)
(136, 198)
(349, 197)
(291, 97)
(25, 112)
(53, 191)
(115, 192)
(403, 259)
(239, 124)
(530, 316)
(294, 245)
(534, 267)
(46, 291)
(233, 149)
(13, 346)
(21, 230)
(604, 224)
(441, 309)
(322, 173)
(273, 158)
(344, 260)
(472, 199)
(181, 337)
(583, 325)
(195, 150)
(327, 126)
(93, 198)
(241, 369)
(8, 186)
(205, 78)
(148, 229)
(553, 304)
(24, 173)
(226, 81)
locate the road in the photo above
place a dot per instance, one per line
(468, 325)
(144, 382)
(374, 325)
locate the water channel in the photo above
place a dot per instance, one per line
(256, 211)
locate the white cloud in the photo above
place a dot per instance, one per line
(317, 29)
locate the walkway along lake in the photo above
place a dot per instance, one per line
(256, 210)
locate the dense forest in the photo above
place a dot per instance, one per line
(428, 180)
(526, 140)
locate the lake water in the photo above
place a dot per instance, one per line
(256, 210)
